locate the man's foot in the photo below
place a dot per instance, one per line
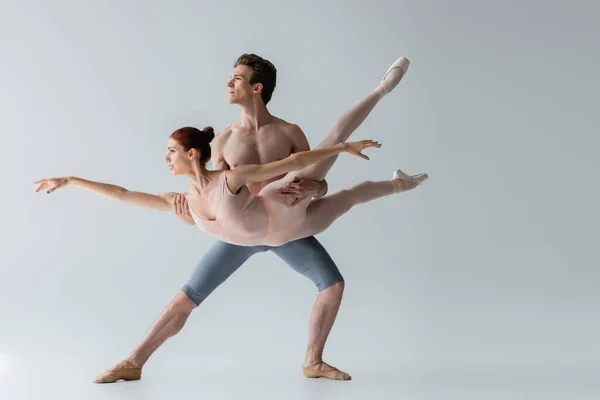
(393, 76)
(123, 370)
(324, 370)
(404, 182)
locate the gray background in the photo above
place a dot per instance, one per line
(483, 281)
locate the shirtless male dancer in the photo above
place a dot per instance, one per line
(259, 138)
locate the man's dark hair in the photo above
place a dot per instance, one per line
(263, 72)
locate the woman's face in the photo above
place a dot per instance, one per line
(179, 160)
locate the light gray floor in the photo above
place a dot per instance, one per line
(68, 376)
(66, 372)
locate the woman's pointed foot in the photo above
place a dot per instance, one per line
(393, 76)
(404, 182)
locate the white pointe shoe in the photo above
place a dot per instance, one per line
(405, 182)
(388, 83)
(420, 177)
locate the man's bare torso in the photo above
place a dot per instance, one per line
(239, 145)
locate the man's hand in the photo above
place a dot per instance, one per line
(299, 189)
(180, 208)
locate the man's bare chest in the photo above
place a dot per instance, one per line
(244, 148)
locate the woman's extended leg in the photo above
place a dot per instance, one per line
(321, 213)
(352, 119)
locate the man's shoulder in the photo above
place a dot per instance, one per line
(288, 127)
(294, 134)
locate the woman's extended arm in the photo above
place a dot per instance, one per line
(257, 173)
(155, 202)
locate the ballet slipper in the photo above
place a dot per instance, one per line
(403, 182)
(387, 85)
(420, 177)
(333, 374)
(125, 370)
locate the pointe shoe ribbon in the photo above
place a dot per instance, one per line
(334, 374)
(126, 371)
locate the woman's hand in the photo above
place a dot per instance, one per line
(355, 148)
(52, 183)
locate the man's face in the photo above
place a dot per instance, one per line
(240, 89)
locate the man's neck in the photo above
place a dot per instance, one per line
(255, 115)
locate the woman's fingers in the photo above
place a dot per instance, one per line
(44, 183)
(54, 188)
(371, 143)
(52, 183)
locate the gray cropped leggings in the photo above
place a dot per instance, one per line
(307, 256)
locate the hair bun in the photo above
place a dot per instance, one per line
(209, 132)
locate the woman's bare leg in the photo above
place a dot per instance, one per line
(352, 119)
(321, 213)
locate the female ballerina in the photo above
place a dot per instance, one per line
(221, 204)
